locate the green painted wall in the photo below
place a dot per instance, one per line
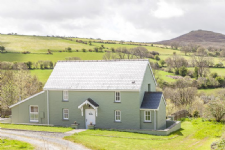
(161, 115)
(147, 125)
(148, 79)
(21, 112)
(129, 107)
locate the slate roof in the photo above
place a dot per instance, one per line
(151, 100)
(97, 75)
(92, 102)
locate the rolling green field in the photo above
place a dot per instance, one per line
(194, 134)
(42, 75)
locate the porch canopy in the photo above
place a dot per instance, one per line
(90, 102)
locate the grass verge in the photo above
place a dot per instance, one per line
(6, 144)
(36, 128)
(194, 134)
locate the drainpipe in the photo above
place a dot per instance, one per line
(47, 107)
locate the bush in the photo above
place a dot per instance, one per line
(214, 75)
(157, 57)
(84, 50)
(176, 71)
(183, 71)
(90, 50)
(77, 50)
(196, 114)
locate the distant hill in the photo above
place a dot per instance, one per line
(201, 37)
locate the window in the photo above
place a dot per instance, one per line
(65, 96)
(147, 115)
(66, 114)
(117, 97)
(149, 87)
(117, 115)
(33, 113)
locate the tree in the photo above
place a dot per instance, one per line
(175, 45)
(162, 62)
(200, 60)
(140, 52)
(176, 62)
(183, 71)
(215, 109)
(69, 49)
(109, 55)
(186, 49)
(2, 48)
(29, 64)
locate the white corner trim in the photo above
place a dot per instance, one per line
(152, 73)
(26, 99)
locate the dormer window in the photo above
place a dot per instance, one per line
(117, 97)
(65, 96)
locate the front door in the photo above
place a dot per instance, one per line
(89, 116)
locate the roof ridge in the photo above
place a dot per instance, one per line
(103, 60)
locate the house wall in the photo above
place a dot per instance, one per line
(21, 112)
(161, 115)
(129, 107)
(147, 125)
(148, 79)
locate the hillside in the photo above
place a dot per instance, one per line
(201, 37)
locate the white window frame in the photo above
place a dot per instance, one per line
(65, 113)
(147, 115)
(117, 120)
(117, 97)
(65, 95)
(34, 113)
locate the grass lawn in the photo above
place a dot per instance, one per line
(42, 75)
(195, 134)
(6, 144)
(35, 128)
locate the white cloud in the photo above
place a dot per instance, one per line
(167, 10)
(136, 20)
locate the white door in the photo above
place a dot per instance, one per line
(89, 116)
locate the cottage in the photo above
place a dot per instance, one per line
(114, 94)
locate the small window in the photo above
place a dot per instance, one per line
(66, 114)
(117, 115)
(65, 96)
(33, 113)
(147, 115)
(117, 97)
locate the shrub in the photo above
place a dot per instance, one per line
(90, 50)
(195, 114)
(77, 50)
(183, 71)
(157, 57)
(214, 75)
(176, 71)
(84, 50)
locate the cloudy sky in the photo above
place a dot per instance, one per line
(136, 20)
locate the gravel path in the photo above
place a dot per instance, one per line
(43, 140)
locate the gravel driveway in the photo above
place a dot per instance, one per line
(43, 140)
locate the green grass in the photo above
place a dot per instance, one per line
(194, 134)
(55, 57)
(163, 75)
(36, 128)
(42, 75)
(6, 144)
(210, 91)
